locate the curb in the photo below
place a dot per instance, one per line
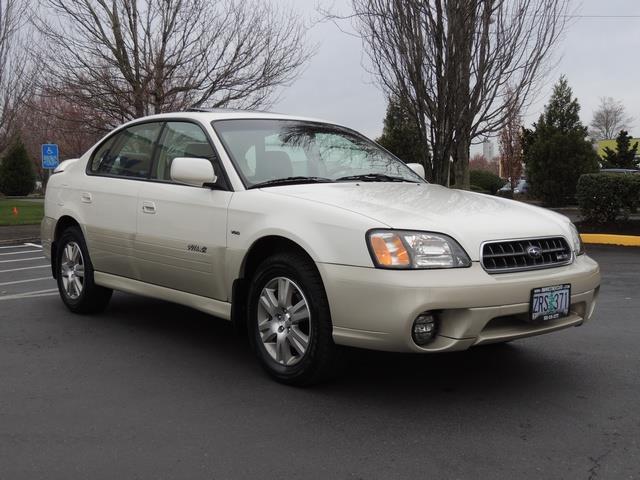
(607, 239)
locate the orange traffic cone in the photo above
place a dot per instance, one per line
(15, 212)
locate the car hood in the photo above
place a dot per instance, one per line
(470, 218)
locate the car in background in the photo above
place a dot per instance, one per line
(308, 236)
(522, 187)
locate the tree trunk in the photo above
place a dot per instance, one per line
(461, 164)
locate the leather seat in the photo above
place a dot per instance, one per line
(273, 165)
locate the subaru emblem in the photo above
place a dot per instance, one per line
(534, 252)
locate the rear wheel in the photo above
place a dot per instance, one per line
(289, 322)
(75, 275)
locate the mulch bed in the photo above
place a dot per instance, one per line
(630, 227)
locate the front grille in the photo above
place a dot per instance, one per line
(526, 254)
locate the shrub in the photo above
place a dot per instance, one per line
(476, 188)
(17, 177)
(603, 197)
(487, 181)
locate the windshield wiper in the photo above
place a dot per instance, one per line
(291, 181)
(374, 177)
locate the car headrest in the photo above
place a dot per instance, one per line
(198, 150)
(273, 165)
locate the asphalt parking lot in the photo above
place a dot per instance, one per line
(153, 390)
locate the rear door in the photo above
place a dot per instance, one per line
(108, 197)
(181, 234)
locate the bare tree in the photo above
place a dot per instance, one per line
(68, 125)
(129, 58)
(610, 117)
(453, 61)
(480, 162)
(14, 78)
(511, 147)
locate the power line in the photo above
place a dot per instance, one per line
(602, 16)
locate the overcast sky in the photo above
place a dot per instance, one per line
(599, 56)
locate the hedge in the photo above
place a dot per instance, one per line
(603, 197)
(486, 181)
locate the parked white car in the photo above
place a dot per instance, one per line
(310, 236)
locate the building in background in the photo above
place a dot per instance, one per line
(602, 144)
(487, 150)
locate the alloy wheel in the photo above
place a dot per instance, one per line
(284, 321)
(72, 270)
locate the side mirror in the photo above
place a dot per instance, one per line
(192, 171)
(417, 168)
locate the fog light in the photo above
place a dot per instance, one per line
(424, 328)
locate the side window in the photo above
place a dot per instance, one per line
(129, 153)
(181, 139)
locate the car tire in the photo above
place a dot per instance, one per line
(75, 275)
(289, 322)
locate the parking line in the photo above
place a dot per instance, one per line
(20, 259)
(20, 253)
(37, 293)
(4, 284)
(33, 245)
(25, 245)
(25, 268)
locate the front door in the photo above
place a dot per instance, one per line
(181, 233)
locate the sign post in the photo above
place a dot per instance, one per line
(50, 161)
(49, 156)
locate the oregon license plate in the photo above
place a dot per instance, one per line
(549, 303)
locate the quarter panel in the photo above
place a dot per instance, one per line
(327, 233)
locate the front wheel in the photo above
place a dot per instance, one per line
(289, 322)
(75, 275)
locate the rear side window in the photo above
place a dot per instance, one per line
(128, 153)
(180, 139)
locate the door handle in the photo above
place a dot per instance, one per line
(85, 197)
(148, 207)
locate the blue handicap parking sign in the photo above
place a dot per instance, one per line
(49, 156)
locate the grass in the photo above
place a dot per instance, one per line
(29, 212)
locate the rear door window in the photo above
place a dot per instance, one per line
(128, 153)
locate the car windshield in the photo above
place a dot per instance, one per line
(272, 152)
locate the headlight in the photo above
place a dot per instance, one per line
(415, 250)
(578, 246)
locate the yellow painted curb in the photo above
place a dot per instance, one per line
(606, 239)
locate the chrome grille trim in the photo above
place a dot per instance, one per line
(506, 256)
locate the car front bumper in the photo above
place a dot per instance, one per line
(375, 308)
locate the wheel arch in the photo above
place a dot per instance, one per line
(259, 250)
(64, 222)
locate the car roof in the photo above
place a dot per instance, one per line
(206, 116)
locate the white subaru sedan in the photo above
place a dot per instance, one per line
(309, 236)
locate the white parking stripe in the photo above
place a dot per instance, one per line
(17, 246)
(37, 293)
(20, 253)
(25, 268)
(4, 284)
(20, 259)
(33, 245)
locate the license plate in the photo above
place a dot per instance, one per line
(549, 303)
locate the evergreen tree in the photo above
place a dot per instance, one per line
(556, 150)
(401, 135)
(16, 171)
(624, 156)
